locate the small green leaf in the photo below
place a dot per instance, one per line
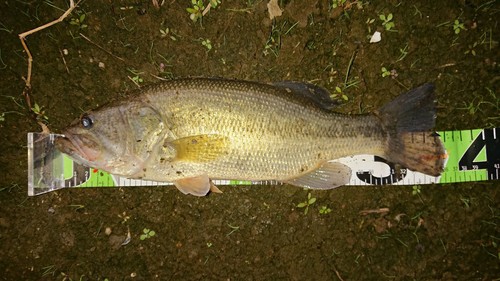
(301, 205)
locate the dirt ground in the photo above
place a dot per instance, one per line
(445, 232)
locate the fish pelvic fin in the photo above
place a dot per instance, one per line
(408, 121)
(326, 176)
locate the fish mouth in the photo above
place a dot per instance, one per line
(76, 148)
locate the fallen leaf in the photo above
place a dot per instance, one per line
(274, 9)
(376, 37)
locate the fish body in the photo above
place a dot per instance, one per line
(189, 131)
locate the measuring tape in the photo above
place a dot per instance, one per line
(473, 155)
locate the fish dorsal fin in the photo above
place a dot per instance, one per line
(200, 148)
(316, 94)
(327, 176)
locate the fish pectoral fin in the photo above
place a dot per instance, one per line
(327, 176)
(200, 148)
(198, 186)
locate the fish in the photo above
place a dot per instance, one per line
(189, 131)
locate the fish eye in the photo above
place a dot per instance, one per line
(86, 121)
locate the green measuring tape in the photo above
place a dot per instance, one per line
(473, 155)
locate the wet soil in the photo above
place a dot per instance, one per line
(446, 232)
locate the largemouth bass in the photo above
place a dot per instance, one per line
(189, 131)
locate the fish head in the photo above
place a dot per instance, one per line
(118, 139)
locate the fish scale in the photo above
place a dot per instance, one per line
(274, 144)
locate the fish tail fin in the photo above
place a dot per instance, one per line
(408, 121)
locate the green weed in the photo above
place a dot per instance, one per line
(199, 10)
(136, 78)
(416, 190)
(387, 22)
(310, 200)
(77, 206)
(4, 28)
(340, 93)
(3, 65)
(348, 80)
(196, 11)
(369, 21)
(477, 106)
(166, 32)
(147, 233)
(385, 72)
(79, 21)
(472, 49)
(233, 229)
(273, 43)
(337, 3)
(324, 210)
(40, 113)
(404, 53)
(207, 44)
(49, 270)
(9, 188)
(458, 26)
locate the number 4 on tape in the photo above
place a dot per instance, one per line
(483, 154)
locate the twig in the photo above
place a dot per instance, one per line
(23, 36)
(64, 60)
(375, 211)
(95, 44)
(207, 9)
(27, 80)
(338, 274)
(349, 67)
(133, 81)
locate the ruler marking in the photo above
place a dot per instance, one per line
(455, 142)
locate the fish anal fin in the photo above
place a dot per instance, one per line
(198, 186)
(214, 188)
(326, 176)
(200, 148)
